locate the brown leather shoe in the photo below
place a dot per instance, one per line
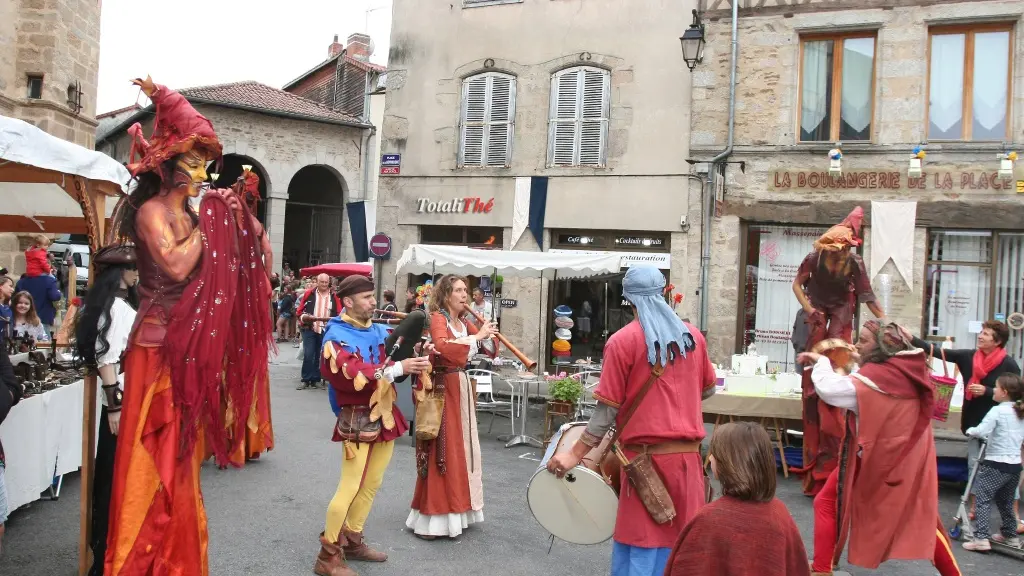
(331, 560)
(356, 549)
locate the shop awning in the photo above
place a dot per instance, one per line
(38, 175)
(427, 259)
(341, 269)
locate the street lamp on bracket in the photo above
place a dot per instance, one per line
(692, 42)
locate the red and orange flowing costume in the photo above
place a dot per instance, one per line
(189, 337)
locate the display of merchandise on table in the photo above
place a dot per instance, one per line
(749, 376)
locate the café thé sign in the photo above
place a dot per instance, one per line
(455, 206)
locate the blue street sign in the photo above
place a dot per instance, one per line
(390, 159)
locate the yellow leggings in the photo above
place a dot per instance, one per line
(360, 478)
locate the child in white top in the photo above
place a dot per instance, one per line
(998, 474)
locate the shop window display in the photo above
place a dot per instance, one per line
(773, 255)
(971, 277)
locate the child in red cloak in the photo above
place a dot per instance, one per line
(718, 541)
(37, 261)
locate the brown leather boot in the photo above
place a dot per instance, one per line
(331, 560)
(356, 549)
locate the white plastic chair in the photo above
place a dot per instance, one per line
(485, 400)
(585, 407)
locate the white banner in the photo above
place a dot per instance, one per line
(520, 210)
(892, 236)
(663, 260)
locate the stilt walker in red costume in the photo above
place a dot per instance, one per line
(829, 284)
(203, 323)
(882, 498)
(256, 430)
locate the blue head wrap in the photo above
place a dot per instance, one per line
(644, 287)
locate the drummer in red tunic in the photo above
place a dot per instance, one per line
(668, 423)
(829, 284)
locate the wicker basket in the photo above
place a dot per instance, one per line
(944, 386)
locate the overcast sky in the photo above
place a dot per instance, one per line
(198, 42)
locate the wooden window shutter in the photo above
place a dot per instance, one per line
(579, 117)
(594, 117)
(488, 114)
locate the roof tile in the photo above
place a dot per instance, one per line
(262, 97)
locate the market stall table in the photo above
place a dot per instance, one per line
(42, 439)
(783, 412)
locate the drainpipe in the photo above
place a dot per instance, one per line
(709, 204)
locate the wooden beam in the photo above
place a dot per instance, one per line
(97, 201)
(56, 224)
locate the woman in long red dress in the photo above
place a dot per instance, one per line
(449, 492)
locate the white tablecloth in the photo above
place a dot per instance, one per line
(42, 437)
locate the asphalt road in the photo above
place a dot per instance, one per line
(264, 519)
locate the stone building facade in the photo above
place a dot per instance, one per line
(50, 55)
(564, 103)
(49, 65)
(882, 78)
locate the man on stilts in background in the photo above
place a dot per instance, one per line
(829, 284)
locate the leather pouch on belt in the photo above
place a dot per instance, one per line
(651, 489)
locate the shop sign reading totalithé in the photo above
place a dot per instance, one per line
(978, 180)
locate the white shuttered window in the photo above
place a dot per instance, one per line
(488, 120)
(578, 126)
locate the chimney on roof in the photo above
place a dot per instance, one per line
(359, 46)
(335, 48)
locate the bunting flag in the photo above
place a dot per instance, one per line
(357, 223)
(520, 210)
(892, 237)
(538, 205)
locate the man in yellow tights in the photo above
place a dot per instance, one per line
(368, 422)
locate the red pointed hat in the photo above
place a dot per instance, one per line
(177, 128)
(251, 186)
(843, 235)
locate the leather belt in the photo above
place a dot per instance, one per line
(444, 370)
(669, 447)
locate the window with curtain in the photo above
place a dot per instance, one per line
(773, 256)
(973, 276)
(488, 118)
(837, 87)
(579, 113)
(968, 82)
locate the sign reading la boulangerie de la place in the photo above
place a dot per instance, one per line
(455, 206)
(936, 179)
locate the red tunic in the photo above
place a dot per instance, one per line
(731, 537)
(446, 492)
(889, 508)
(350, 367)
(670, 411)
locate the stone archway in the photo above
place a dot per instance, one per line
(231, 168)
(314, 217)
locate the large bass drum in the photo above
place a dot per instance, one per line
(580, 507)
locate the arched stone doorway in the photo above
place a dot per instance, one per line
(231, 168)
(314, 217)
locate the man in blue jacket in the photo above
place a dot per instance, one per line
(45, 293)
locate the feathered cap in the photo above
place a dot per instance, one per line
(843, 235)
(177, 128)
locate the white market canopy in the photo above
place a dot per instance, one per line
(38, 175)
(428, 259)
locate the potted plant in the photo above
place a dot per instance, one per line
(565, 393)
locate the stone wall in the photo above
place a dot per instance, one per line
(58, 39)
(280, 147)
(767, 118)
